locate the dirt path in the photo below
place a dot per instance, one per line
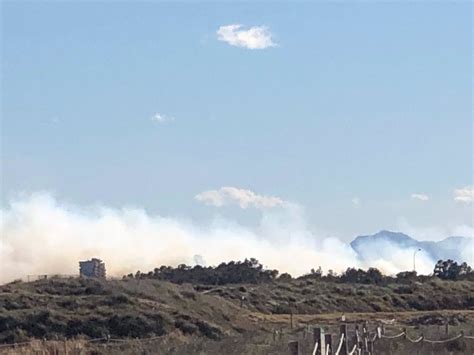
(335, 318)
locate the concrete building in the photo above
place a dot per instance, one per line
(92, 268)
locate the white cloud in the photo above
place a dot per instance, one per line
(257, 37)
(160, 118)
(244, 198)
(465, 194)
(356, 201)
(420, 197)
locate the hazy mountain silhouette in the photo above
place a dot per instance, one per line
(449, 248)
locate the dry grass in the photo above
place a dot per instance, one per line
(211, 321)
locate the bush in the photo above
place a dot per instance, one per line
(210, 331)
(371, 276)
(189, 294)
(404, 290)
(118, 299)
(131, 326)
(91, 327)
(7, 323)
(185, 326)
(248, 271)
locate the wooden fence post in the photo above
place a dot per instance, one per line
(379, 332)
(319, 337)
(294, 348)
(322, 341)
(370, 347)
(358, 336)
(328, 341)
(365, 338)
(345, 345)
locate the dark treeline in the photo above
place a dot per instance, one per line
(250, 271)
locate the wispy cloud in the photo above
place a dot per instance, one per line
(420, 197)
(160, 118)
(464, 194)
(356, 201)
(244, 198)
(257, 37)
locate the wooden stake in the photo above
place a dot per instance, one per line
(294, 348)
(319, 337)
(370, 347)
(345, 345)
(328, 341)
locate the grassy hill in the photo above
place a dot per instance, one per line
(138, 308)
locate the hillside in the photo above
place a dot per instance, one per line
(134, 308)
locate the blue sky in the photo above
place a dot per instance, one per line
(356, 107)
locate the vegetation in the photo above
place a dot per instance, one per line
(450, 270)
(215, 303)
(262, 340)
(250, 271)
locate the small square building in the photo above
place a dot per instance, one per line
(92, 268)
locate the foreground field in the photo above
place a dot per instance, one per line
(151, 316)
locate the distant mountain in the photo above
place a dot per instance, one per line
(456, 248)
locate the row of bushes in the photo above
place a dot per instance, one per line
(44, 323)
(251, 271)
(248, 271)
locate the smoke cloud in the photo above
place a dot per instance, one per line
(40, 235)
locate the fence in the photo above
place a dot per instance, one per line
(347, 339)
(69, 346)
(32, 278)
(365, 343)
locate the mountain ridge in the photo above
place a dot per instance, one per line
(458, 248)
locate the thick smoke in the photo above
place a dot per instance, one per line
(39, 235)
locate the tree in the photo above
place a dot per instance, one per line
(371, 276)
(450, 270)
(248, 271)
(285, 277)
(406, 276)
(374, 276)
(317, 273)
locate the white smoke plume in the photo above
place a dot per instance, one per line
(40, 235)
